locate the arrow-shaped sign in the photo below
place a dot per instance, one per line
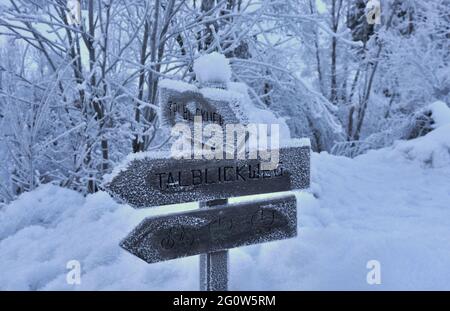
(208, 230)
(155, 181)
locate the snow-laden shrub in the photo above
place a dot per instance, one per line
(421, 123)
(431, 150)
(429, 137)
(424, 121)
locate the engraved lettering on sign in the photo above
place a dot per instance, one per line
(159, 181)
(213, 229)
(171, 180)
(263, 220)
(218, 226)
(176, 237)
(220, 229)
(188, 113)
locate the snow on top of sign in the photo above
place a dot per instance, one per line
(220, 94)
(161, 154)
(236, 101)
(283, 143)
(238, 87)
(257, 115)
(297, 142)
(177, 85)
(212, 68)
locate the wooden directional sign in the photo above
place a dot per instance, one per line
(181, 101)
(150, 182)
(206, 230)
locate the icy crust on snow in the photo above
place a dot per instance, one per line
(51, 226)
(40, 208)
(431, 150)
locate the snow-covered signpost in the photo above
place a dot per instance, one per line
(161, 178)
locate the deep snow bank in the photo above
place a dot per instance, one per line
(431, 150)
(389, 205)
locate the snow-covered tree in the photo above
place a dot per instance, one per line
(79, 93)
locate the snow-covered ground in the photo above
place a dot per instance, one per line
(390, 205)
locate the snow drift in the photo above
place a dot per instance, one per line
(433, 149)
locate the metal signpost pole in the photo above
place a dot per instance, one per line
(214, 265)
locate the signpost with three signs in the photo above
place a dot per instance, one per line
(154, 180)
